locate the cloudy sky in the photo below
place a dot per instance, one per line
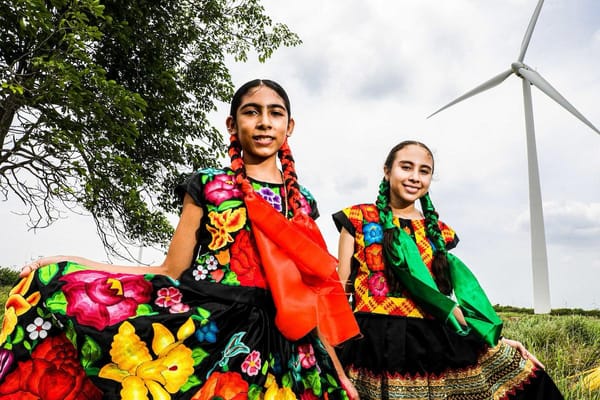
(367, 75)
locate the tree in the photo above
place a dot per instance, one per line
(104, 104)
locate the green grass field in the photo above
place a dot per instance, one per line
(566, 341)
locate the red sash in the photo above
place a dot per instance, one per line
(301, 274)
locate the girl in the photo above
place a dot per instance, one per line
(231, 313)
(418, 342)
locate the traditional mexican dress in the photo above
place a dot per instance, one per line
(75, 333)
(405, 352)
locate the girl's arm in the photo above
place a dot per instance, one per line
(339, 369)
(178, 259)
(345, 252)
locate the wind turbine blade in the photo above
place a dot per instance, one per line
(495, 81)
(538, 81)
(529, 32)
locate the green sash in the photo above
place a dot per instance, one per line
(409, 268)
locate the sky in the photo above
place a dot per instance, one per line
(367, 76)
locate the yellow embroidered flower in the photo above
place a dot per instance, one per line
(139, 373)
(275, 393)
(223, 224)
(16, 305)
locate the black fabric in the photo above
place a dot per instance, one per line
(409, 345)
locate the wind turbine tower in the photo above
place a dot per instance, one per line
(539, 259)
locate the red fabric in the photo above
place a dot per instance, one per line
(301, 274)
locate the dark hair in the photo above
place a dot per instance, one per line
(439, 264)
(236, 101)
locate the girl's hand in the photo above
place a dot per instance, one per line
(348, 387)
(39, 263)
(524, 353)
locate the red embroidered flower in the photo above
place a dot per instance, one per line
(245, 261)
(221, 188)
(100, 299)
(223, 386)
(378, 285)
(53, 373)
(374, 255)
(371, 213)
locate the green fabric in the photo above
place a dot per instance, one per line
(409, 268)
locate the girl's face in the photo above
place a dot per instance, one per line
(409, 176)
(261, 124)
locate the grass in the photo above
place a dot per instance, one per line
(567, 341)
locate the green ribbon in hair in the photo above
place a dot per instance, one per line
(408, 266)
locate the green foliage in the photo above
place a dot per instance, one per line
(8, 277)
(104, 103)
(568, 345)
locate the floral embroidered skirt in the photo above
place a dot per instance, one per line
(73, 333)
(414, 358)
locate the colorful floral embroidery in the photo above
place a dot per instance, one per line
(134, 367)
(271, 197)
(17, 304)
(100, 299)
(208, 333)
(221, 188)
(378, 285)
(245, 261)
(38, 329)
(223, 224)
(252, 363)
(52, 373)
(225, 386)
(306, 355)
(373, 233)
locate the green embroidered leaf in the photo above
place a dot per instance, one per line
(313, 380)
(73, 267)
(19, 335)
(57, 303)
(90, 352)
(286, 380)
(203, 313)
(230, 279)
(199, 354)
(192, 381)
(92, 371)
(227, 204)
(46, 273)
(254, 392)
(265, 368)
(27, 346)
(144, 309)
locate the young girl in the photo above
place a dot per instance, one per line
(231, 313)
(429, 330)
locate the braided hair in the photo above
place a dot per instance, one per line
(292, 188)
(439, 266)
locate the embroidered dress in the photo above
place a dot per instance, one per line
(74, 333)
(405, 353)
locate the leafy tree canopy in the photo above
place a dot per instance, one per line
(104, 104)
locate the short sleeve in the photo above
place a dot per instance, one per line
(193, 186)
(312, 203)
(450, 237)
(342, 220)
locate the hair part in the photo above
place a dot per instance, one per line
(236, 100)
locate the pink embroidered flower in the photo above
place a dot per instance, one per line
(306, 355)
(221, 188)
(304, 206)
(308, 395)
(100, 299)
(251, 364)
(168, 297)
(179, 308)
(378, 285)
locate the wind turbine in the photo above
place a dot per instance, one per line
(541, 289)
